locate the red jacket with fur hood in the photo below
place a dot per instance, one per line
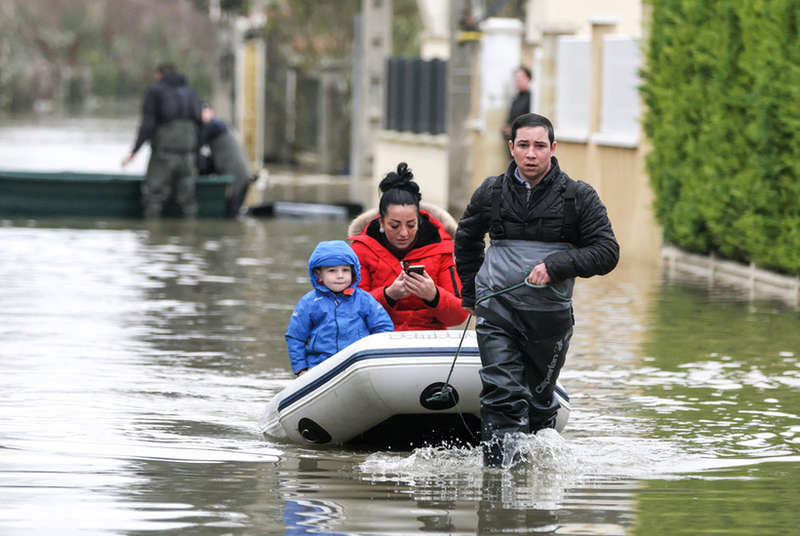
(434, 249)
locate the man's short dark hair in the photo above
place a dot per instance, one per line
(165, 69)
(532, 120)
(526, 71)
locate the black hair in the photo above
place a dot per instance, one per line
(526, 71)
(532, 120)
(399, 188)
(165, 69)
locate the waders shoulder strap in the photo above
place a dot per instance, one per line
(496, 229)
(569, 225)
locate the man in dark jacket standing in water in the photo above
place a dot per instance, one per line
(171, 123)
(547, 229)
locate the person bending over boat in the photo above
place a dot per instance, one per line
(171, 123)
(336, 313)
(545, 229)
(406, 257)
(227, 157)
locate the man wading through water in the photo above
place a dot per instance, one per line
(171, 119)
(545, 228)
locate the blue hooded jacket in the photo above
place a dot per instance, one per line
(324, 322)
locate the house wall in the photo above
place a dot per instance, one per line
(574, 16)
(586, 78)
(426, 156)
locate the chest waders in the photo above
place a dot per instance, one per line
(172, 169)
(445, 395)
(546, 222)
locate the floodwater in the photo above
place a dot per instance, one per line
(136, 358)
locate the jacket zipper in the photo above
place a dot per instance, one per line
(336, 315)
(453, 279)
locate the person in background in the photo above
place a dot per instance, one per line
(227, 157)
(336, 313)
(399, 236)
(170, 121)
(521, 103)
(545, 229)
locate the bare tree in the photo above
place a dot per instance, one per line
(108, 47)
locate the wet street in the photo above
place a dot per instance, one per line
(136, 358)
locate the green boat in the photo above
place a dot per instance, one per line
(26, 194)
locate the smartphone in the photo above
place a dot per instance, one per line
(415, 268)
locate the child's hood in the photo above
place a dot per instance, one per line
(333, 253)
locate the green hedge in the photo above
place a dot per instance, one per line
(722, 90)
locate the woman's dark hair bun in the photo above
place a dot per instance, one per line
(404, 172)
(397, 179)
(402, 179)
(398, 188)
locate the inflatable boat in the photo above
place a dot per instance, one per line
(388, 390)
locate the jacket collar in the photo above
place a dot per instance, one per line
(547, 180)
(443, 240)
(427, 234)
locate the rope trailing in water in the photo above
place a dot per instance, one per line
(444, 394)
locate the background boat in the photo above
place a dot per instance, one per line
(27, 194)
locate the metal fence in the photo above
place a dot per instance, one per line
(415, 99)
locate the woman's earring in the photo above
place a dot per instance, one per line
(381, 229)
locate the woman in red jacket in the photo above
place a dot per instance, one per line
(397, 236)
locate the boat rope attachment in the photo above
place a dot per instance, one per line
(444, 393)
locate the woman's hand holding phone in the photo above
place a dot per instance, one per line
(420, 283)
(398, 289)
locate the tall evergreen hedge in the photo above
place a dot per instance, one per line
(722, 90)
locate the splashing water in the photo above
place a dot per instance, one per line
(544, 452)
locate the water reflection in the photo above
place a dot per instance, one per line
(123, 377)
(446, 491)
(738, 381)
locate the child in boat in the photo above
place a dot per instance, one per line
(336, 313)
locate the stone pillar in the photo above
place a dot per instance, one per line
(500, 55)
(374, 44)
(435, 39)
(460, 72)
(250, 104)
(332, 128)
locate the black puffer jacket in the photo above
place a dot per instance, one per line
(167, 100)
(538, 216)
